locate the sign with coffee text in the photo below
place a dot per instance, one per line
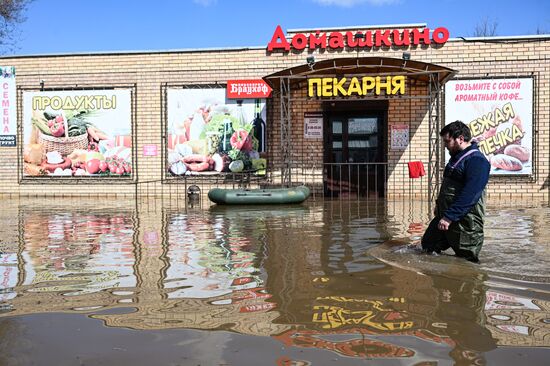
(499, 113)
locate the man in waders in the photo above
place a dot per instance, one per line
(460, 206)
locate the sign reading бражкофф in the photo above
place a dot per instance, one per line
(8, 128)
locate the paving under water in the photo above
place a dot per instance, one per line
(84, 282)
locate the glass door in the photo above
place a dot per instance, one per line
(355, 144)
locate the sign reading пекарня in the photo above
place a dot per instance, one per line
(368, 85)
(499, 113)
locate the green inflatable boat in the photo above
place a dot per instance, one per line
(258, 196)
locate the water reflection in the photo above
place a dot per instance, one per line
(315, 278)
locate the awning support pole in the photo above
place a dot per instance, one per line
(286, 171)
(434, 145)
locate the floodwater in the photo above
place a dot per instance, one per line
(88, 282)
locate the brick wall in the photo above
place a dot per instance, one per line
(146, 73)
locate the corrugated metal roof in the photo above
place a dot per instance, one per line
(364, 66)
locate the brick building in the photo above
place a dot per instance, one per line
(350, 108)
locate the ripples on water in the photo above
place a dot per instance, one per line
(315, 278)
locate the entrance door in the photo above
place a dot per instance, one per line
(355, 143)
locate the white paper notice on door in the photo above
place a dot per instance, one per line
(313, 125)
(399, 137)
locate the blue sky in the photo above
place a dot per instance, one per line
(64, 26)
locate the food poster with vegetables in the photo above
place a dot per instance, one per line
(209, 134)
(499, 113)
(84, 133)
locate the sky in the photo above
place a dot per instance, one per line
(76, 26)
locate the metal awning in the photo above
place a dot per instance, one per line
(364, 66)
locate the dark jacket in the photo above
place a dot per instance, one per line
(462, 200)
(470, 169)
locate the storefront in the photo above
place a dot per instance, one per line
(364, 107)
(342, 110)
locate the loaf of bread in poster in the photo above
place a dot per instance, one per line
(506, 162)
(517, 151)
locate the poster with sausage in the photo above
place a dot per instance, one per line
(209, 134)
(499, 113)
(77, 133)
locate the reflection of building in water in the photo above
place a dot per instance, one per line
(65, 248)
(226, 259)
(207, 277)
(208, 257)
(407, 218)
(227, 312)
(322, 284)
(518, 321)
(311, 284)
(358, 327)
(68, 259)
(79, 251)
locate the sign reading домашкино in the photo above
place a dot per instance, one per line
(339, 40)
(8, 130)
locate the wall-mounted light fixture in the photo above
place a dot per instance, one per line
(406, 56)
(42, 85)
(310, 61)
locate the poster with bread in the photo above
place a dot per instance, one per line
(499, 113)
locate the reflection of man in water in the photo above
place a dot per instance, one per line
(460, 207)
(460, 306)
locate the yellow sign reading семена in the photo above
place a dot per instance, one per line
(334, 87)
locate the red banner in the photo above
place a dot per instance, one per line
(248, 89)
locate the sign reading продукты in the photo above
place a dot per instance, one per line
(313, 125)
(8, 130)
(248, 89)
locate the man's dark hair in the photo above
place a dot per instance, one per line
(455, 129)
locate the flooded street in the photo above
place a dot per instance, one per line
(123, 283)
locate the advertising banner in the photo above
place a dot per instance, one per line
(248, 89)
(8, 132)
(78, 133)
(499, 113)
(209, 134)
